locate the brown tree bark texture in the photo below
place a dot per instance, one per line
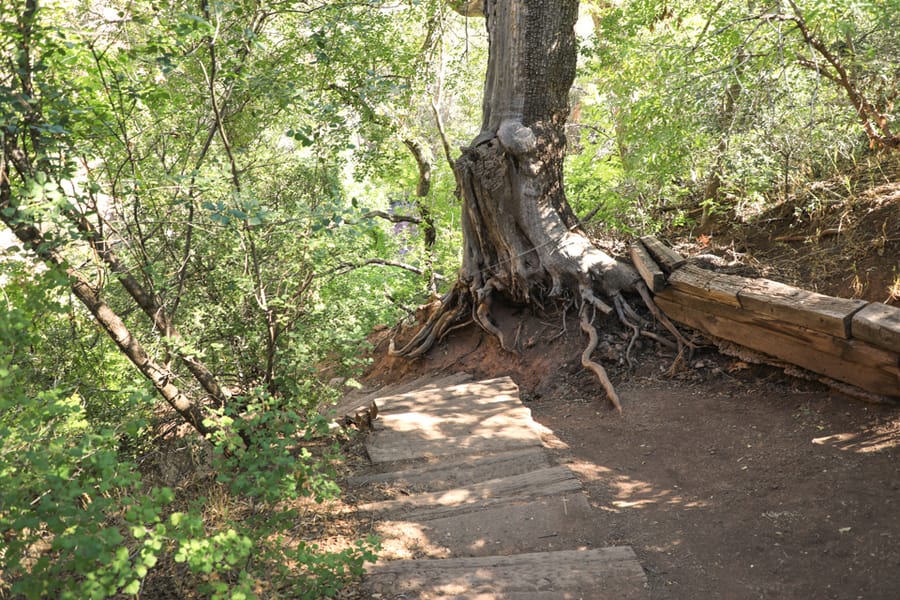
(520, 235)
(521, 239)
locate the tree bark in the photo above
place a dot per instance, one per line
(520, 235)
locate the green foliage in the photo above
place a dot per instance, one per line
(679, 94)
(239, 229)
(69, 502)
(81, 524)
(248, 550)
(229, 154)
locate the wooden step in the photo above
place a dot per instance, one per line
(388, 446)
(471, 396)
(478, 417)
(606, 573)
(360, 399)
(504, 527)
(518, 488)
(457, 471)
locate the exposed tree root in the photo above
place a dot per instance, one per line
(659, 339)
(483, 318)
(586, 362)
(682, 342)
(443, 318)
(627, 316)
(466, 303)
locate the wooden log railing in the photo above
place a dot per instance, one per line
(849, 341)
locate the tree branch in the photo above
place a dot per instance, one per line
(346, 267)
(393, 218)
(873, 121)
(112, 324)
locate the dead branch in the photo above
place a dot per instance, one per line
(664, 321)
(346, 267)
(393, 218)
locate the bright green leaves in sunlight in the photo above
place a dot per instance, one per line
(61, 477)
(715, 107)
(205, 170)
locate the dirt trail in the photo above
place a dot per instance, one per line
(729, 480)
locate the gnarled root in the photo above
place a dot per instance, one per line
(627, 316)
(444, 319)
(595, 367)
(682, 342)
(482, 316)
(470, 301)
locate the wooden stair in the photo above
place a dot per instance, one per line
(475, 507)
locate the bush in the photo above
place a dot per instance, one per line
(76, 517)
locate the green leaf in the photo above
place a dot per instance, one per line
(134, 587)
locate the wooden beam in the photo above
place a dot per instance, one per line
(649, 270)
(597, 573)
(801, 307)
(851, 361)
(879, 324)
(709, 285)
(667, 258)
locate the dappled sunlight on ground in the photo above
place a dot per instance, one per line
(407, 540)
(629, 493)
(510, 423)
(877, 439)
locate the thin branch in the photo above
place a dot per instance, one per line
(346, 267)
(393, 218)
(439, 121)
(873, 121)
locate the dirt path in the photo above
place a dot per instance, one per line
(475, 505)
(729, 480)
(741, 488)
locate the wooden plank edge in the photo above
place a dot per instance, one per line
(652, 275)
(745, 354)
(592, 557)
(878, 324)
(851, 350)
(710, 285)
(667, 258)
(787, 347)
(828, 314)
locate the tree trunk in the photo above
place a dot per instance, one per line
(521, 239)
(520, 235)
(109, 321)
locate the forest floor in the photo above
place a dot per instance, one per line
(729, 479)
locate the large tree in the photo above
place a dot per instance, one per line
(521, 238)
